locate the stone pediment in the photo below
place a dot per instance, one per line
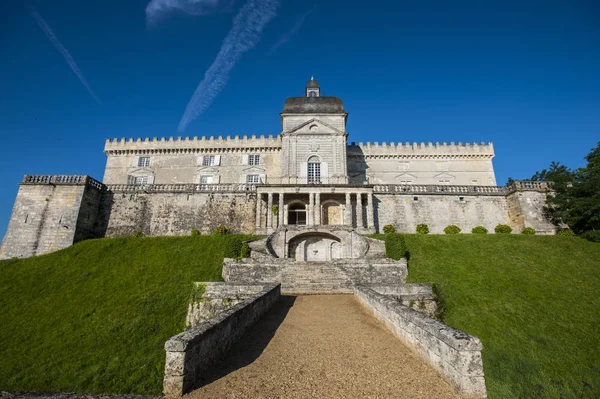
(406, 176)
(208, 169)
(141, 172)
(313, 127)
(444, 176)
(253, 170)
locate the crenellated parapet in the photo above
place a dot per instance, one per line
(421, 150)
(187, 145)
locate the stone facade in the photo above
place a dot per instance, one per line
(307, 175)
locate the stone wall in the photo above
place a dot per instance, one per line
(527, 209)
(168, 214)
(456, 355)
(218, 297)
(405, 211)
(190, 353)
(51, 213)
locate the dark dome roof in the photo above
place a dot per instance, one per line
(312, 84)
(313, 105)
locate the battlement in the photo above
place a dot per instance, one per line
(63, 180)
(421, 149)
(191, 144)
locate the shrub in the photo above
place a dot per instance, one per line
(275, 210)
(479, 230)
(233, 247)
(137, 234)
(194, 232)
(221, 230)
(245, 251)
(452, 229)
(591, 235)
(566, 232)
(422, 229)
(395, 246)
(503, 229)
(389, 228)
(528, 231)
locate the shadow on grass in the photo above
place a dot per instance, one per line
(251, 345)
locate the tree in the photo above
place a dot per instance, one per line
(577, 193)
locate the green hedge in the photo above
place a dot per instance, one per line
(395, 246)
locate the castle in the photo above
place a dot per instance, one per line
(308, 176)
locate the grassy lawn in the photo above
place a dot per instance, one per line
(533, 300)
(94, 317)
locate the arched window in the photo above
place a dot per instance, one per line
(314, 170)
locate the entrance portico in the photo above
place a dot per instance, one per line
(314, 205)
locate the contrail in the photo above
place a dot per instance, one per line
(156, 9)
(245, 34)
(288, 35)
(65, 53)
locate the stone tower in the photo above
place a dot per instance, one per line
(314, 139)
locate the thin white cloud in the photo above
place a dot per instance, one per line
(158, 9)
(288, 35)
(244, 35)
(65, 53)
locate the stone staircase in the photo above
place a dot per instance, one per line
(339, 276)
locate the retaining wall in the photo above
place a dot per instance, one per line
(455, 354)
(190, 353)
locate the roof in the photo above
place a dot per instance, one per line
(312, 84)
(314, 105)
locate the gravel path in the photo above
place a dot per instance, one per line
(321, 346)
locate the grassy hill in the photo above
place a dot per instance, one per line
(94, 317)
(533, 300)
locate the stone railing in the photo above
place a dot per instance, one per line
(62, 179)
(182, 188)
(437, 189)
(460, 190)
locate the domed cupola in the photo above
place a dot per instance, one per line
(312, 88)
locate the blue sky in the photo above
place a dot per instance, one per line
(522, 74)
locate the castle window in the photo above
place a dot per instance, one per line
(314, 170)
(405, 181)
(252, 179)
(253, 159)
(208, 161)
(474, 181)
(141, 180)
(445, 182)
(204, 179)
(144, 162)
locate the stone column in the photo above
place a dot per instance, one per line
(311, 205)
(258, 210)
(280, 210)
(317, 208)
(370, 221)
(359, 211)
(269, 212)
(348, 211)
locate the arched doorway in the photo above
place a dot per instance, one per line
(331, 213)
(296, 214)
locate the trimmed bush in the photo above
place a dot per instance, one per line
(528, 231)
(137, 234)
(194, 232)
(566, 233)
(221, 230)
(245, 251)
(389, 228)
(452, 229)
(395, 246)
(479, 230)
(422, 229)
(503, 229)
(591, 235)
